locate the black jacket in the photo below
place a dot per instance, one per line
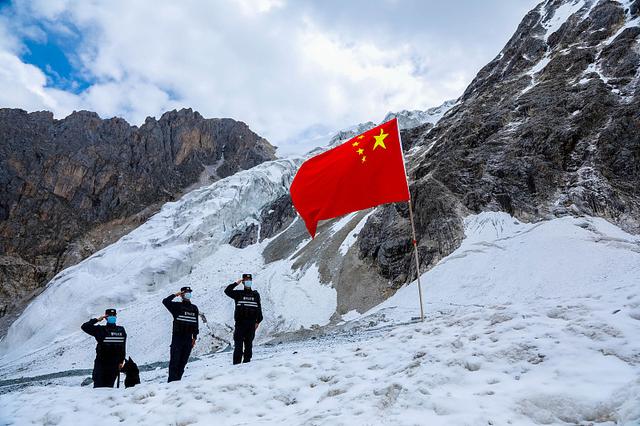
(185, 317)
(248, 307)
(112, 341)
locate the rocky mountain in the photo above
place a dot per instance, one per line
(550, 127)
(70, 187)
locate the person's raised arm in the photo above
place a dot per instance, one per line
(167, 301)
(229, 290)
(90, 327)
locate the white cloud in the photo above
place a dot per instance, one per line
(266, 62)
(259, 6)
(23, 85)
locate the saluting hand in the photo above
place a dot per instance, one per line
(100, 318)
(239, 281)
(180, 293)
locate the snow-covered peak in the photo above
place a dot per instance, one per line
(406, 120)
(349, 132)
(410, 119)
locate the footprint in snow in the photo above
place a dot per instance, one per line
(334, 392)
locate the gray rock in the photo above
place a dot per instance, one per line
(245, 238)
(276, 217)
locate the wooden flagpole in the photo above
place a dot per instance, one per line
(413, 226)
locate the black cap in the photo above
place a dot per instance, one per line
(110, 312)
(186, 289)
(246, 277)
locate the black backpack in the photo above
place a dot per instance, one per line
(131, 372)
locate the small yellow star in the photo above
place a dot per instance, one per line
(361, 136)
(364, 158)
(356, 143)
(380, 139)
(360, 151)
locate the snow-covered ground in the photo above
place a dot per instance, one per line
(526, 324)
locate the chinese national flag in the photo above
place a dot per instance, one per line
(363, 172)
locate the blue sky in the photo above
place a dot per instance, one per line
(292, 70)
(52, 56)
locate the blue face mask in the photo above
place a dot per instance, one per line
(248, 284)
(187, 296)
(111, 320)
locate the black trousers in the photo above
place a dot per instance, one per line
(104, 374)
(243, 336)
(179, 355)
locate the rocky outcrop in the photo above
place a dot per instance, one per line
(274, 218)
(550, 127)
(69, 187)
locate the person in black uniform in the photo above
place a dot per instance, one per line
(110, 350)
(248, 315)
(185, 331)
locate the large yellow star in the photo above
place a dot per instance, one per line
(380, 139)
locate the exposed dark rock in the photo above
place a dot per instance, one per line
(69, 187)
(634, 10)
(245, 238)
(276, 217)
(21, 281)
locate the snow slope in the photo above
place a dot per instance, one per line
(503, 260)
(526, 324)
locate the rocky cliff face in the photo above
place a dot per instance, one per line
(69, 187)
(550, 127)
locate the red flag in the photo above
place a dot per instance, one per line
(363, 172)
